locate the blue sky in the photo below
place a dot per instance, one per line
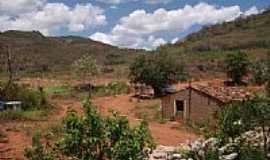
(124, 23)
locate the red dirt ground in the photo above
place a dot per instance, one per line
(169, 133)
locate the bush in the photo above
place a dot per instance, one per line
(94, 137)
(30, 98)
(260, 72)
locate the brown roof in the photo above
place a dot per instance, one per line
(216, 89)
(225, 94)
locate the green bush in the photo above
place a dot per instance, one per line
(94, 137)
(250, 153)
(30, 98)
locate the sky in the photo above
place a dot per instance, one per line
(125, 23)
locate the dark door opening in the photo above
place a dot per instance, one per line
(179, 106)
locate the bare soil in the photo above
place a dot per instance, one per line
(169, 133)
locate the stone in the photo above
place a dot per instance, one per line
(176, 156)
(232, 156)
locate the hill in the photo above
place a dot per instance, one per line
(33, 51)
(204, 51)
(244, 33)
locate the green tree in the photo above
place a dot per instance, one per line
(91, 137)
(157, 70)
(86, 68)
(237, 66)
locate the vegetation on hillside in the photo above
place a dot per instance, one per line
(243, 33)
(36, 53)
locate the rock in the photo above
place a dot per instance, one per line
(230, 156)
(176, 156)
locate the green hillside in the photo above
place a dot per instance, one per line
(251, 32)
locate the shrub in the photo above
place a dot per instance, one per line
(94, 137)
(30, 98)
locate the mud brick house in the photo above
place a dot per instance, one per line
(200, 103)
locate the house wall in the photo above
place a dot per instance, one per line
(199, 107)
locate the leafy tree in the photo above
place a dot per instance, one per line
(92, 137)
(237, 66)
(86, 68)
(157, 70)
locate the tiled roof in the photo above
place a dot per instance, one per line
(223, 93)
(218, 90)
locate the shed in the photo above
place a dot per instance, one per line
(200, 103)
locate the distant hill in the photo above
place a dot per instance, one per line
(36, 52)
(243, 33)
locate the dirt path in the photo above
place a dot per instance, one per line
(169, 133)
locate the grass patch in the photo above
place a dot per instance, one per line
(149, 113)
(98, 91)
(34, 115)
(111, 89)
(59, 90)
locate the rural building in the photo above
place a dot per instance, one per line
(200, 103)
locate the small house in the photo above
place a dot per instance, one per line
(200, 103)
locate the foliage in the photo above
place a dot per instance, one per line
(250, 153)
(261, 70)
(157, 70)
(237, 66)
(86, 67)
(240, 117)
(30, 98)
(93, 137)
(38, 152)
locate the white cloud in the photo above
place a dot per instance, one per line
(15, 7)
(158, 1)
(253, 10)
(134, 30)
(115, 2)
(174, 40)
(53, 16)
